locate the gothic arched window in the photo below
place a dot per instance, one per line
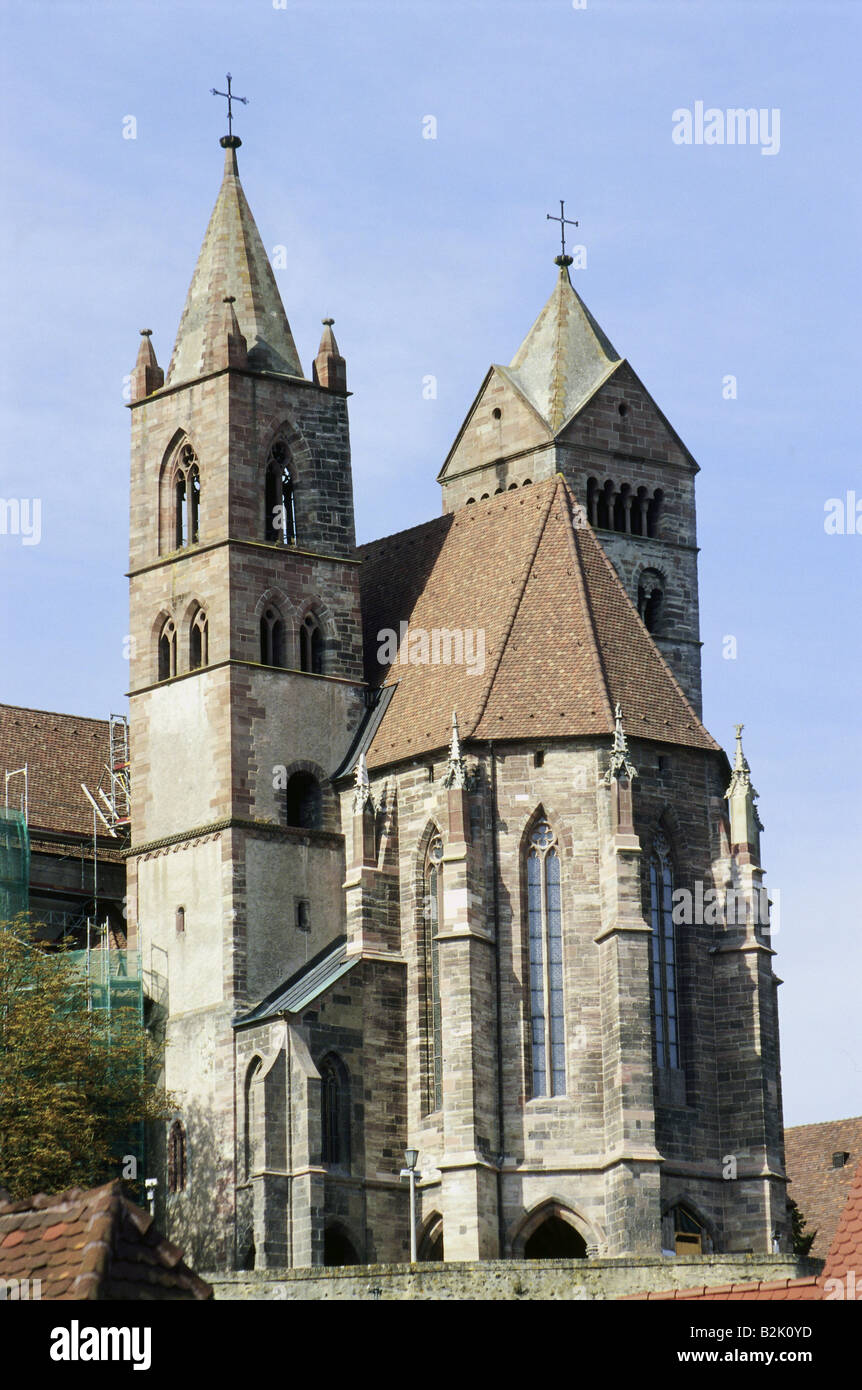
(187, 497)
(663, 955)
(168, 650)
(311, 645)
(433, 917)
(253, 1117)
(304, 801)
(199, 641)
(280, 518)
(176, 1157)
(272, 644)
(334, 1112)
(546, 962)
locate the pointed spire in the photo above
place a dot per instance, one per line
(361, 786)
(565, 357)
(147, 376)
(330, 368)
(620, 765)
(745, 822)
(456, 769)
(232, 260)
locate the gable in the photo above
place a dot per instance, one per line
(642, 430)
(484, 437)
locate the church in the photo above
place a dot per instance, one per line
(414, 824)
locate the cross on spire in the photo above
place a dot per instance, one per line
(231, 97)
(564, 222)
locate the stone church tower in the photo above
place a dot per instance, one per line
(430, 848)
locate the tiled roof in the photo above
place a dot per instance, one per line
(92, 1244)
(819, 1190)
(61, 751)
(306, 984)
(841, 1276)
(562, 640)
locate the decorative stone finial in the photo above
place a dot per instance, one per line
(329, 368)
(563, 261)
(361, 786)
(456, 770)
(147, 376)
(620, 765)
(741, 778)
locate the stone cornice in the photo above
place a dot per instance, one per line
(188, 552)
(266, 830)
(251, 665)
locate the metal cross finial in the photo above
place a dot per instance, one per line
(564, 221)
(231, 96)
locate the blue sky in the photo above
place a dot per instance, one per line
(434, 256)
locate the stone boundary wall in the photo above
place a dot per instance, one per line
(508, 1279)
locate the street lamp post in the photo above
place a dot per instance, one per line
(409, 1172)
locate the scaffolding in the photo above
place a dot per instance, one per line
(14, 864)
(113, 984)
(115, 812)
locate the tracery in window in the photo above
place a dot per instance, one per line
(280, 507)
(187, 497)
(664, 986)
(433, 916)
(168, 650)
(546, 963)
(199, 641)
(272, 643)
(311, 645)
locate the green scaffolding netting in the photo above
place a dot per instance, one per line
(14, 864)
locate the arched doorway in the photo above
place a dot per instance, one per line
(338, 1248)
(431, 1244)
(555, 1239)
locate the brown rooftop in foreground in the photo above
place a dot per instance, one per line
(90, 1245)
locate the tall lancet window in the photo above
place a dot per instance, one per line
(433, 1013)
(311, 645)
(546, 962)
(168, 650)
(199, 641)
(272, 643)
(663, 955)
(187, 497)
(280, 518)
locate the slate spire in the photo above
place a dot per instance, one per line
(233, 261)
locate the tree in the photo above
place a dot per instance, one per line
(77, 1081)
(801, 1243)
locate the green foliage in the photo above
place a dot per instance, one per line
(75, 1083)
(801, 1243)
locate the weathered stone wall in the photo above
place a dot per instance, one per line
(505, 1279)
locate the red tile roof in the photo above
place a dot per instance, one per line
(819, 1190)
(61, 751)
(92, 1245)
(562, 641)
(841, 1276)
